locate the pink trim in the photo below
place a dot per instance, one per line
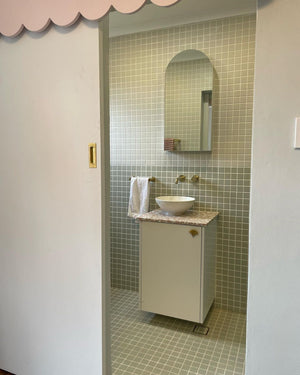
(36, 15)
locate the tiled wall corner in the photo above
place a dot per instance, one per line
(137, 69)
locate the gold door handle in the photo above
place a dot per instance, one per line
(194, 232)
(93, 155)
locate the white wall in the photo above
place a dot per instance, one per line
(50, 275)
(273, 344)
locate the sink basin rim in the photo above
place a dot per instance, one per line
(175, 198)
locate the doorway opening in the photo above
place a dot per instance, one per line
(141, 46)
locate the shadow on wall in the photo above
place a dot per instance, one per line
(264, 3)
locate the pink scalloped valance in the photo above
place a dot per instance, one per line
(36, 15)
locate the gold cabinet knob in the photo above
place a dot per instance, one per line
(194, 232)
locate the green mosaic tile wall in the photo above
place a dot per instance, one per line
(137, 68)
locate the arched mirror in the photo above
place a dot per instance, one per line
(188, 102)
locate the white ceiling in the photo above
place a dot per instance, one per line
(152, 17)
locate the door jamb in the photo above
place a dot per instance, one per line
(105, 190)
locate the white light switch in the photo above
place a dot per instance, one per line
(297, 133)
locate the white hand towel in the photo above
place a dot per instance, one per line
(139, 196)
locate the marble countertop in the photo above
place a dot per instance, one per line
(198, 219)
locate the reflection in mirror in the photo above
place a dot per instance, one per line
(188, 102)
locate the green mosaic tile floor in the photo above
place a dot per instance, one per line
(145, 343)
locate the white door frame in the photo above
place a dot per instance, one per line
(105, 190)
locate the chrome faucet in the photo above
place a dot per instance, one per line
(180, 178)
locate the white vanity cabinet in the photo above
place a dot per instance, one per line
(177, 269)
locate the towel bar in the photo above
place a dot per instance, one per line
(151, 179)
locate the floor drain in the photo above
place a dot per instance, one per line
(200, 330)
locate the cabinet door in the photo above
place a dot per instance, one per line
(170, 267)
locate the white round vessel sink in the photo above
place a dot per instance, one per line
(174, 205)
